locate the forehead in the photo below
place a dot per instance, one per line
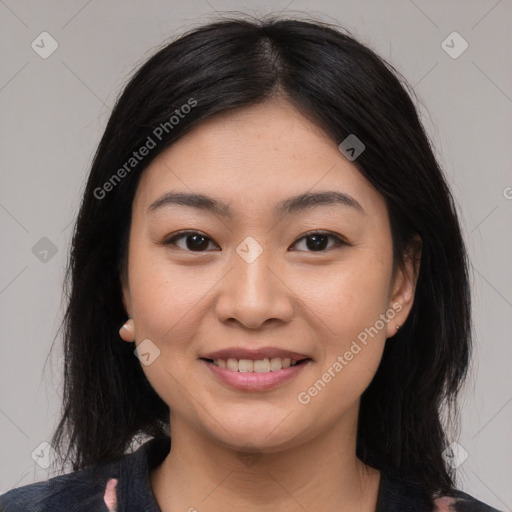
(255, 156)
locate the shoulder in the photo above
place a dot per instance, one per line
(399, 494)
(82, 491)
(121, 483)
(459, 501)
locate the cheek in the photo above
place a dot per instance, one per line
(349, 306)
(166, 298)
(167, 307)
(351, 335)
(348, 297)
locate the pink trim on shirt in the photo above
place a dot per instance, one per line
(444, 504)
(110, 496)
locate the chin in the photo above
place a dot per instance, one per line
(264, 436)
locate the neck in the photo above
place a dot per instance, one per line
(320, 474)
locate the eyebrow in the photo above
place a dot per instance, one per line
(292, 205)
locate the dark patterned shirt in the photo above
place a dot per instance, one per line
(124, 486)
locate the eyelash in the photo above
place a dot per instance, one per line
(182, 234)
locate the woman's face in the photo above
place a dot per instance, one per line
(261, 277)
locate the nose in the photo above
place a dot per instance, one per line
(254, 292)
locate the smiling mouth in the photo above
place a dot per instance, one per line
(266, 365)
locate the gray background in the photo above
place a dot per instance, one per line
(54, 111)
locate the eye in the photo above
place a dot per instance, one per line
(195, 241)
(316, 241)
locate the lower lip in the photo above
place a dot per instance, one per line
(254, 381)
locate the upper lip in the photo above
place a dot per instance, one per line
(255, 354)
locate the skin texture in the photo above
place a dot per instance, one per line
(316, 302)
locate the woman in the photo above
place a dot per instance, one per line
(265, 227)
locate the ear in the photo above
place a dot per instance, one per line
(127, 331)
(404, 286)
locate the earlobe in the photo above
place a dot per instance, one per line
(127, 331)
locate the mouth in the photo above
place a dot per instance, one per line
(255, 375)
(265, 365)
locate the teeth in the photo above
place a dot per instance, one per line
(245, 365)
(272, 364)
(232, 364)
(275, 364)
(262, 365)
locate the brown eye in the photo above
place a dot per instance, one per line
(317, 241)
(194, 241)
